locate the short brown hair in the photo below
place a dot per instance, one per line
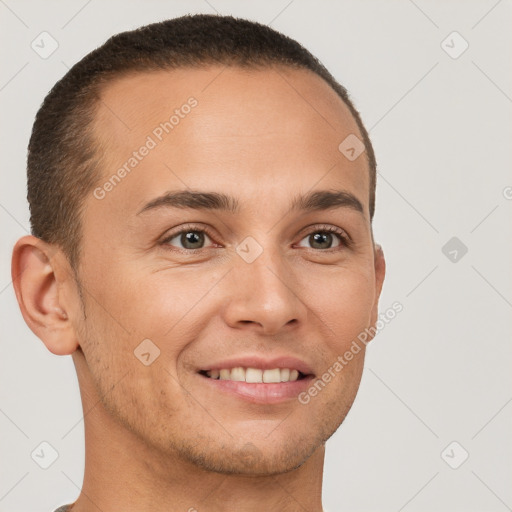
(63, 161)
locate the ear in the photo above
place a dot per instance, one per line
(380, 272)
(39, 277)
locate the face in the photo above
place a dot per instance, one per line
(255, 286)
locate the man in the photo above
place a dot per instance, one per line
(201, 195)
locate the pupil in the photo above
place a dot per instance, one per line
(320, 239)
(192, 240)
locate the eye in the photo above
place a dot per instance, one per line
(323, 238)
(188, 239)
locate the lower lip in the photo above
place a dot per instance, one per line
(262, 393)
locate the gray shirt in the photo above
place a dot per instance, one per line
(64, 508)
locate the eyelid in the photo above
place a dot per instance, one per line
(345, 238)
(308, 230)
(184, 229)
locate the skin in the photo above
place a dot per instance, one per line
(161, 431)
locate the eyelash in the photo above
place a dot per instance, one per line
(345, 240)
(186, 229)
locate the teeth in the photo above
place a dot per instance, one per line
(255, 375)
(238, 374)
(272, 375)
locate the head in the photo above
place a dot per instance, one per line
(190, 206)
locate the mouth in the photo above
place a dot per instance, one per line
(259, 383)
(255, 375)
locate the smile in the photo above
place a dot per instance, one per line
(268, 385)
(255, 375)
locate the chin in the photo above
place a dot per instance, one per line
(263, 458)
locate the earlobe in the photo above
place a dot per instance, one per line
(37, 288)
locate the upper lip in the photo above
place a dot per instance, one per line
(256, 361)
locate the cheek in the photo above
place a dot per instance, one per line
(173, 303)
(343, 301)
(149, 302)
(170, 308)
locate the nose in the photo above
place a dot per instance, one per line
(264, 296)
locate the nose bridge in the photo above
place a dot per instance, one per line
(263, 289)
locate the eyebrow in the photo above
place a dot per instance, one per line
(312, 201)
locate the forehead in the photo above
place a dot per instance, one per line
(224, 128)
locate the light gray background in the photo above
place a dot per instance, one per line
(441, 127)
